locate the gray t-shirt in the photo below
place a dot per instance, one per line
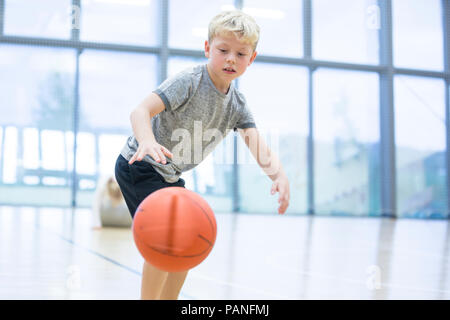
(196, 118)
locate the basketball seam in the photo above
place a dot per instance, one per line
(204, 239)
(175, 255)
(201, 208)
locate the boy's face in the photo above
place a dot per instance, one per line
(228, 57)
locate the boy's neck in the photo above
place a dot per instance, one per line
(221, 86)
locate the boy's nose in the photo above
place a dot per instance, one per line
(231, 58)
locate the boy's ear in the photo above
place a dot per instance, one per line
(207, 47)
(253, 57)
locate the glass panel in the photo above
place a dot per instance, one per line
(276, 18)
(1, 148)
(36, 107)
(111, 85)
(108, 144)
(177, 64)
(120, 21)
(39, 18)
(346, 143)
(86, 156)
(280, 109)
(31, 148)
(188, 21)
(417, 34)
(53, 155)
(286, 15)
(212, 178)
(10, 156)
(420, 147)
(346, 30)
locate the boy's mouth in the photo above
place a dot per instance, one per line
(229, 70)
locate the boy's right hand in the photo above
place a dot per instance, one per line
(153, 149)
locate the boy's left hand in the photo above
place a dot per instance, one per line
(281, 185)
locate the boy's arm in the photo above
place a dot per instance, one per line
(270, 164)
(142, 129)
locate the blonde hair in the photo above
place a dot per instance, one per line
(242, 25)
(112, 190)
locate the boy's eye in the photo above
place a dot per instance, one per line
(225, 51)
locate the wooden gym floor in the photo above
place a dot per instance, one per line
(55, 254)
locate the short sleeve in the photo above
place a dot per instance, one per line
(245, 118)
(175, 91)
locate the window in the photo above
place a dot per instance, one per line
(188, 21)
(279, 105)
(112, 84)
(37, 86)
(346, 30)
(417, 34)
(177, 64)
(420, 147)
(39, 18)
(120, 21)
(281, 24)
(346, 145)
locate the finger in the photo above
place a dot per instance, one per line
(161, 156)
(280, 210)
(283, 197)
(283, 207)
(280, 198)
(132, 159)
(140, 155)
(155, 156)
(167, 153)
(274, 188)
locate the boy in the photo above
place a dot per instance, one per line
(186, 112)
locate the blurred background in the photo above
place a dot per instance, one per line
(353, 95)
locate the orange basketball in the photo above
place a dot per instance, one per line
(174, 229)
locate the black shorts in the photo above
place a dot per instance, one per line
(138, 180)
